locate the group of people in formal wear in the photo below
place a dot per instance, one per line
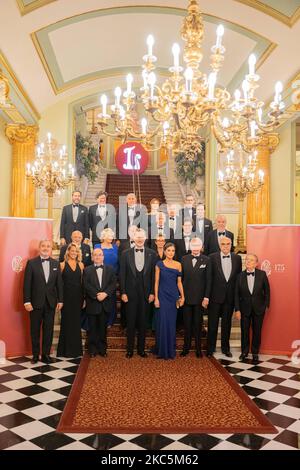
(167, 263)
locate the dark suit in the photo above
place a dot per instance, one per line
(211, 243)
(252, 307)
(85, 250)
(221, 301)
(97, 224)
(140, 219)
(98, 312)
(137, 286)
(181, 247)
(67, 224)
(43, 296)
(196, 282)
(206, 229)
(185, 214)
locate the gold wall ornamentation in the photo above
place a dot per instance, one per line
(24, 9)
(268, 10)
(258, 204)
(23, 139)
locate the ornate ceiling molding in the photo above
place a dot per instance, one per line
(32, 5)
(278, 15)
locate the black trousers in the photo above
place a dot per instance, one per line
(256, 322)
(216, 311)
(192, 320)
(97, 333)
(136, 318)
(42, 317)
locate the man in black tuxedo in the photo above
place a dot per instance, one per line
(159, 226)
(43, 294)
(196, 280)
(225, 268)
(182, 244)
(174, 223)
(74, 217)
(212, 241)
(252, 298)
(131, 213)
(99, 284)
(76, 238)
(137, 273)
(101, 216)
(203, 226)
(189, 211)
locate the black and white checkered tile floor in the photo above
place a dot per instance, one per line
(32, 398)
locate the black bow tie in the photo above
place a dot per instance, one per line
(75, 205)
(172, 218)
(45, 259)
(139, 249)
(221, 233)
(99, 267)
(250, 274)
(195, 257)
(228, 256)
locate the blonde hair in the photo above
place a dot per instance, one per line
(107, 232)
(79, 253)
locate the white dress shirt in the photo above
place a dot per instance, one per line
(139, 258)
(46, 269)
(226, 265)
(99, 272)
(75, 211)
(250, 281)
(102, 211)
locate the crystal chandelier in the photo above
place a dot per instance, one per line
(241, 178)
(51, 170)
(189, 100)
(4, 92)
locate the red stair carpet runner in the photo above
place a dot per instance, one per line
(120, 185)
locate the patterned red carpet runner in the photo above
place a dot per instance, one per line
(186, 395)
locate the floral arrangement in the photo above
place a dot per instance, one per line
(87, 158)
(189, 169)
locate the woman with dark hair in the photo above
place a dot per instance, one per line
(169, 296)
(70, 342)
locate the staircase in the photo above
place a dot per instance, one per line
(93, 189)
(172, 191)
(120, 185)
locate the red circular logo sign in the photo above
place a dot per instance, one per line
(132, 157)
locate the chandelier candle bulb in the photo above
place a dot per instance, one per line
(252, 62)
(129, 80)
(237, 95)
(220, 34)
(152, 81)
(176, 52)
(150, 43)
(245, 87)
(278, 91)
(188, 75)
(118, 93)
(104, 104)
(144, 126)
(260, 113)
(261, 175)
(49, 137)
(145, 79)
(211, 85)
(166, 127)
(253, 129)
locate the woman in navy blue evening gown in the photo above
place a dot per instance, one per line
(168, 297)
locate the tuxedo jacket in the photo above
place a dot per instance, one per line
(140, 219)
(97, 224)
(207, 228)
(180, 247)
(196, 279)
(124, 245)
(128, 274)
(67, 224)
(211, 242)
(256, 302)
(221, 290)
(85, 250)
(185, 214)
(36, 290)
(92, 288)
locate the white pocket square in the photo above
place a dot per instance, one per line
(54, 269)
(82, 211)
(203, 266)
(87, 254)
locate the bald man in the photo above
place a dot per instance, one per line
(212, 241)
(76, 238)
